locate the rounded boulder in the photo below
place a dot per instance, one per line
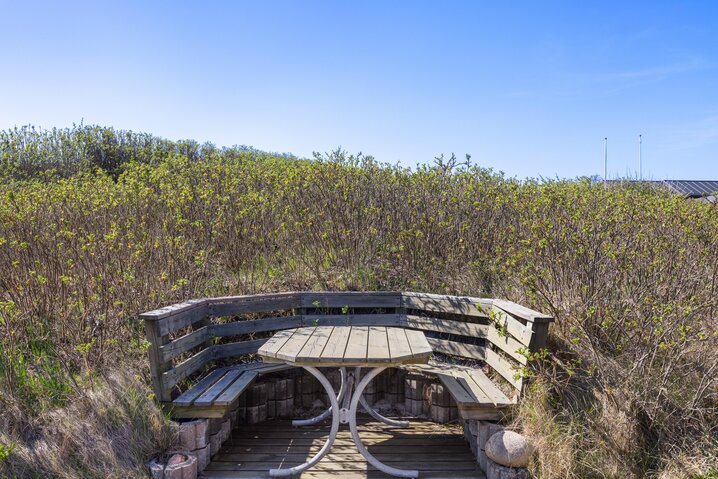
(509, 448)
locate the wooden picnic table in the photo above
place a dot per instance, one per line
(375, 347)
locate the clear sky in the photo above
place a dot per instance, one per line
(530, 88)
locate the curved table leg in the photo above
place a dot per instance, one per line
(355, 434)
(376, 415)
(332, 434)
(325, 414)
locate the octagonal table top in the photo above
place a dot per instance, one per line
(366, 346)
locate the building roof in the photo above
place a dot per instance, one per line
(692, 188)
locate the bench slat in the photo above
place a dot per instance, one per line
(186, 398)
(461, 328)
(173, 376)
(461, 396)
(207, 398)
(236, 388)
(455, 348)
(480, 398)
(513, 326)
(487, 385)
(504, 368)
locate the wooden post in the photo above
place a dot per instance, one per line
(157, 367)
(539, 338)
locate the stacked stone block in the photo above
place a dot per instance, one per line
(414, 393)
(220, 429)
(280, 398)
(426, 396)
(194, 456)
(478, 433)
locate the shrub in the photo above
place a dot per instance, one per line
(98, 225)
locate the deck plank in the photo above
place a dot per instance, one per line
(436, 450)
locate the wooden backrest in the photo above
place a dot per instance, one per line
(183, 336)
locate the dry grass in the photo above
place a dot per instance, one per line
(106, 432)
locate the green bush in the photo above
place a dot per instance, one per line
(97, 225)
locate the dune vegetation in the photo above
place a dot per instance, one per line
(98, 225)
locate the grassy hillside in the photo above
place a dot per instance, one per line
(97, 225)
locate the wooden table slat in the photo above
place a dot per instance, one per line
(357, 346)
(399, 348)
(315, 345)
(291, 348)
(361, 346)
(378, 350)
(417, 342)
(336, 346)
(275, 343)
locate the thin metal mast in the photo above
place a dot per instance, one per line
(605, 162)
(640, 163)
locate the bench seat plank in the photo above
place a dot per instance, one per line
(476, 396)
(489, 387)
(236, 388)
(457, 390)
(207, 398)
(213, 395)
(188, 397)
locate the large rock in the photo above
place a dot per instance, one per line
(509, 448)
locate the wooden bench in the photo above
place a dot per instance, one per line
(476, 396)
(214, 394)
(183, 337)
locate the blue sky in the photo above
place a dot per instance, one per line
(529, 88)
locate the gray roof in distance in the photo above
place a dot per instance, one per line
(692, 188)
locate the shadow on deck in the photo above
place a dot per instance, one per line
(436, 450)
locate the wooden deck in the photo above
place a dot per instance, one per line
(436, 450)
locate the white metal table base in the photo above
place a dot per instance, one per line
(344, 416)
(374, 413)
(332, 434)
(355, 433)
(325, 414)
